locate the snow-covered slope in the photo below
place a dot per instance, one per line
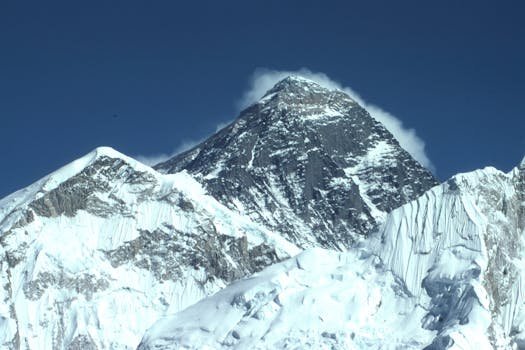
(94, 253)
(462, 246)
(317, 300)
(445, 271)
(307, 162)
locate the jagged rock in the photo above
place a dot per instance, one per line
(167, 252)
(308, 162)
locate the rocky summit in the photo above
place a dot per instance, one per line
(307, 162)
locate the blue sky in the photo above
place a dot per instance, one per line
(146, 77)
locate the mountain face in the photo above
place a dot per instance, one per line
(303, 224)
(94, 253)
(309, 163)
(461, 247)
(445, 271)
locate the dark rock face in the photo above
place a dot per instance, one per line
(85, 284)
(167, 251)
(82, 342)
(307, 162)
(79, 192)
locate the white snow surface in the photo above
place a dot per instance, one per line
(318, 300)
(460, 249)
(59, 287)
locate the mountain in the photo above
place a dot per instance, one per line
(444, 271)
(94, 253)
(307, 162)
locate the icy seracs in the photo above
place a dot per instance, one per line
(317, 300)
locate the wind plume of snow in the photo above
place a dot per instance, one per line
(263, 80)
(161, 157)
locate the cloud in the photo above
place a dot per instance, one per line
(264, 79)
(222, 125)
(155, 159)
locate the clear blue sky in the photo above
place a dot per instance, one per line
(453, 70)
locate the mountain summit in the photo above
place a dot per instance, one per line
(308, 162)
(295, 84)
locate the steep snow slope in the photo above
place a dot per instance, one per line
(307, 162)
(449, 274)
(317, 300)
(462, 245)
(94, 253)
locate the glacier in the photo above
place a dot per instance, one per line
(319, 299)
(444, 271)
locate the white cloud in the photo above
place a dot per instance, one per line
(222, 125)
(155, 159)
(264, 79)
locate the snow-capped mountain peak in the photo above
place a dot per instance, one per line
(307, 98)
(18, 201)
(308, 162)
(297, 87)
(95, 252)
(54, 179)
(106, 237)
